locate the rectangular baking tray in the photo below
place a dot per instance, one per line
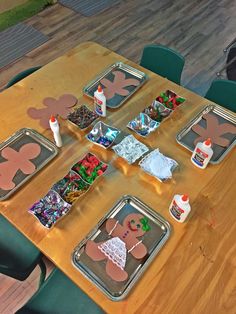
(21, 137)
(117, 100)
(153, 240)
(186, 136)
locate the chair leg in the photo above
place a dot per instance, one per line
(229, 45)
(225, 67)
(43, 272)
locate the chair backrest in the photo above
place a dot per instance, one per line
(21, 75)
(163, 61)
(223, 92)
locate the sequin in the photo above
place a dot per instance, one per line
(143, 124)
(103, 134)
(50, 208)
(82, 117)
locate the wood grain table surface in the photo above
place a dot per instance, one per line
(195, 272)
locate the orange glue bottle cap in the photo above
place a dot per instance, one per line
(99, 88)
(52, 119)
(185, 198)
(208, 142)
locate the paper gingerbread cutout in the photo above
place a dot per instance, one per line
(213, 130)
(117, 86)
(123, 241)
(53, 107)
(17, 161)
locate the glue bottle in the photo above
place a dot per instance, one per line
(202, 154)
(54, 125)
(179, 207)
(100, 102)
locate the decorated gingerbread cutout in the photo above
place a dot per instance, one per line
(17, 160)
(53, 107)
(123, 240)
(117, 86)
(213, 130)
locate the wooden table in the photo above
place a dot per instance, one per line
(196, 270)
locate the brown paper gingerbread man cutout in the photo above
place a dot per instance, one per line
(117, 86)
(53, 107)
(123, 241)
(213, 130)
(17, 161)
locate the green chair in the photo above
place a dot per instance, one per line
(59, 295)
(20, 76)
(163, 61)
(223, 92)
(18, 256)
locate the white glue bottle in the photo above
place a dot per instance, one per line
(54, 125)
(100, 102)
(202, 154)
(179, 207)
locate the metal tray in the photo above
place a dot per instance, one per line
(16, 141)
(154, 239)
(186, 136)
(130, 72)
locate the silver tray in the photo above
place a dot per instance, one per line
(130, 72)
(154, 239)
(21, 137)
(186, 136)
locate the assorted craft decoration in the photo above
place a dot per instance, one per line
(158, 165)
(143, 125)
(123, 239)
(170, 99)
(66, 191)
(82, 117)
(157, 111)
(103, 134)
(71, 187)
(50, 208)
(89, 168)
(163, 105)
(53, 107)
(130, 149)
